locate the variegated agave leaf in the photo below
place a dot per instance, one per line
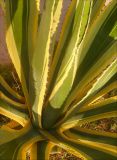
(64, 79)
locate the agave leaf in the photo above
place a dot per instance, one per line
(99, 116)
(88, 151)
(76, 149)
(98, 104)
(104, 110)
(101, 143)
(11, 101)
(33, 151)
(59, 50)
(17, 147)
(67, 145)
(74, 119)
(34, 17)
(17, 21)
(113, 79)
(99, 44)
(95, 133)
(102, 81)
(108, 87)
(56, 139)
(102, 92)
(43, 150)
(62, 79)
(96, 29)
(69, 63)
(97, 7)
(40, 62)
(77, 138)
(9, 89)
(83, 151)
(102, 73)
(7, 134)
(9, 111)
(6, 130)
(109, 9)
(16, 39)
(70, 56)
(52, 27)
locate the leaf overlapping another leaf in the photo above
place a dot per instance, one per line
(65, 81)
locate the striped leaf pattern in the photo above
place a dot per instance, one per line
(66, 81)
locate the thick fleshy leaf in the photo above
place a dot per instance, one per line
(85, 152)
(100, 96)
(101, 73)
(16, 39)
(43, 150)
(12, 102)
(98, 104)
(104, 110)
(32, 151)
(34, 17)
(64, 36)
(40, 62)
(67, 71)
(17, 147)
(51, 28)
(56, 139)
(90, 153)
(68, 67)
(97, 7)
(9, 111)
(62, 79)
(7, 134)
(9, 89)
(100, 143)
(98, 40)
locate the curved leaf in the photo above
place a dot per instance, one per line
(16, 115)
(9, 89)
(17, 147)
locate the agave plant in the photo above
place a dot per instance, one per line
(64, 76)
